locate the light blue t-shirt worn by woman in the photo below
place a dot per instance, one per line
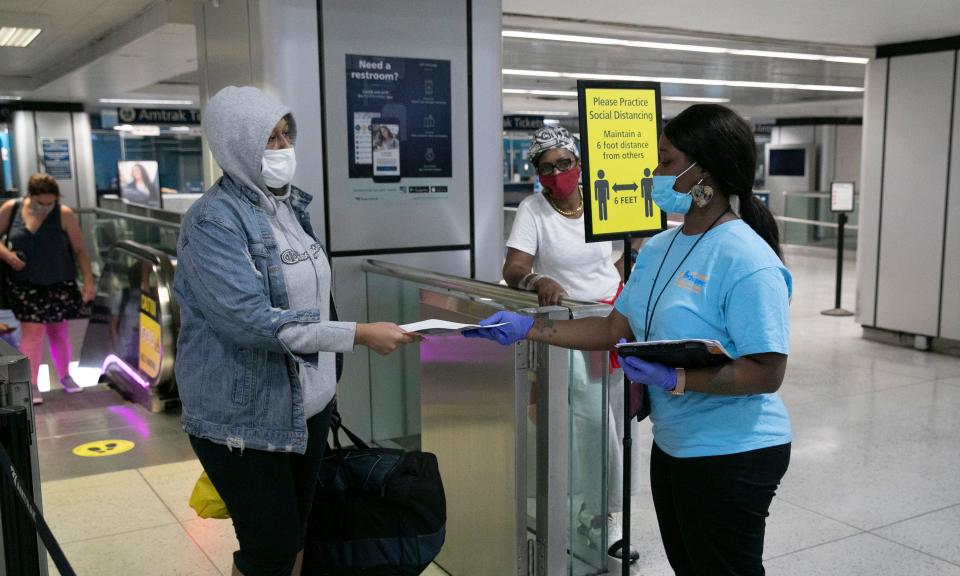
(732, 288)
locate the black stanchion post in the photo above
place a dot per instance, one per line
(837, 309)
(19, 537)
(627, 436)
(22, 520)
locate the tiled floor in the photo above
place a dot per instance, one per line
(873, 487)
(138, 522)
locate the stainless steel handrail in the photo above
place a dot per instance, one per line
(518, 299)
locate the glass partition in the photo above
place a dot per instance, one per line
(562, 479)
(589, 460)
(395, 379)
(808, 221)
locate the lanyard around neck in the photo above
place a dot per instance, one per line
(648, 312)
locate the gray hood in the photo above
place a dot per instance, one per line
(237, 123)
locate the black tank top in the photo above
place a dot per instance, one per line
(46, 252)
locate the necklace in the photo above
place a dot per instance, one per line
(575, 212)
(648, 313)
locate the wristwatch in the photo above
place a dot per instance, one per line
(681, 382)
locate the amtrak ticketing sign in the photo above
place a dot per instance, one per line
(619, 130)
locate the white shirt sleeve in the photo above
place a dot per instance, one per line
(524, 235)
(616, 251)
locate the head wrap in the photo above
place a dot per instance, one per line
(548, 138)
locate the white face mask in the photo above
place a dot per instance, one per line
(40, 209)
(278, 167)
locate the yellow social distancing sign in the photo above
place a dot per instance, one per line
(620, 126)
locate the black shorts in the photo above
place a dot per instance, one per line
(268, 495)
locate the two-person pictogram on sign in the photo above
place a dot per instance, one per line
(602, 194)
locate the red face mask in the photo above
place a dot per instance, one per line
(563, 184)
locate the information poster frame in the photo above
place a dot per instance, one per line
(843, 196)
(589, 144)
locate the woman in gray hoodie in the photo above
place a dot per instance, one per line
(259, 344)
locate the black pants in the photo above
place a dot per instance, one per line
(268, 495)
(712, 510)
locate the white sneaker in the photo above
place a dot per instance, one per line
(70, 385)
(615, 538)
(590, 527)
(614, 527)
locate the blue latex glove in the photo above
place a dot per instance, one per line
(649, 373)
(516, 329)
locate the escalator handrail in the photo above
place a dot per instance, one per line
(136, 217)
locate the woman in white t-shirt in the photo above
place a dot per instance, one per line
(547, 254)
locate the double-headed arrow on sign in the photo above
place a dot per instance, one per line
(621, 187)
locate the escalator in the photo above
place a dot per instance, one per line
(132, 334)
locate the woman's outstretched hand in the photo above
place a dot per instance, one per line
(515, 328)
(384, 337)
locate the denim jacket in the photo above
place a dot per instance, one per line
(238, 381)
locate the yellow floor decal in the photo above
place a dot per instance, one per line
(102, 448)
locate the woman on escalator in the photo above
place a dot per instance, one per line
(44, 246)
(257, 350)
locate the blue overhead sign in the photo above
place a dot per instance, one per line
(158, 116)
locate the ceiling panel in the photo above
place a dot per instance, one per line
(854, 22)
(572, 58)
(69, 25)
(166, 52)
(20, 5)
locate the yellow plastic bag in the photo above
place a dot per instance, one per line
(206, 501)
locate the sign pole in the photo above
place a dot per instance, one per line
(841, 202)
(620, 126)
(838, 310)
(627, 435)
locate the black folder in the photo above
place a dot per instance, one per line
(677, 353)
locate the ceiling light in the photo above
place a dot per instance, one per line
(697, 81)
(696, 99)
(2, 97)
(123, 128)
(13, 37)
(680, 47)
(562, 93)
(542, 112)
(146, 101)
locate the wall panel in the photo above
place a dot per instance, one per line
(950, 299)
(871, 183)
(914, 191)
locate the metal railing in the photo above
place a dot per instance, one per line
(514, 299)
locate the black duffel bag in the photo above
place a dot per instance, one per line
(376, 512)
